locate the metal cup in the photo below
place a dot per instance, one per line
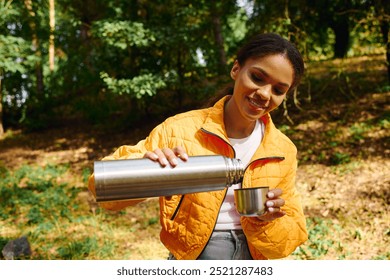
(251, 201)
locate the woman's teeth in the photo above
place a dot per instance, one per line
(258, 105)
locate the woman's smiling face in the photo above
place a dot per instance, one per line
(260, 85)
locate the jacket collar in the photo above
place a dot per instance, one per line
(269, 148)
(270, 145)
(214, 122)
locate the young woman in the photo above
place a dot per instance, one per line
(206, 225)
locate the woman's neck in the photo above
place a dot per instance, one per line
(236, 127)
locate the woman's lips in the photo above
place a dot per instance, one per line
(258, 105)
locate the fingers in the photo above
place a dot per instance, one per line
(180, 153)
(151, 156)
(163, 158)
(272, 214)
(167, 156)
(274, 193)
(275, 203)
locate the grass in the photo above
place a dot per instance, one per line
(321, 240)
(58, 221)
(61, 221)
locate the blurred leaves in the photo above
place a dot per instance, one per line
(174, 54)
(137, 87)
(123, 34)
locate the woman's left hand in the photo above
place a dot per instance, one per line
(273, 205)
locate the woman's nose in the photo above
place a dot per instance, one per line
(264, 92)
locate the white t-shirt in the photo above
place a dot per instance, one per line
(245, 148)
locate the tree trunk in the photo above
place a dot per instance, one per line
(85, 37)
(35, 45)
(382, 8)
(216, 21)
(385, 36)
(1, 104)
(180, 74)
(51, 38)
(341, 31)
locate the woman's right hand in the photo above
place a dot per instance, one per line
(167, 156)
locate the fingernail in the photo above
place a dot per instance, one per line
(174, 161)
(164, 161)
(270, 203)
(271, 195)
(185, 156)
(271, 209)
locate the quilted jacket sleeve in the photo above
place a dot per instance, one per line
(279, 238)
(155, 140)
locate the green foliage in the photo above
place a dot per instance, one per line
(323, 29)
(11, 50)
(78, 249)
(34, 202)
(86, 173)
(340, 158)
(319, 243)
(123, 34)
(358, 130)
(85, 248)
(383, 257)
(237, 27)
(3, 241)
(35, 193)
(6, 10)
(367, 34)
(133, 49)
(153, 220)
(384, 122)
(137, 87)
(14, 51)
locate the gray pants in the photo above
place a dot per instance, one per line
(225, 245)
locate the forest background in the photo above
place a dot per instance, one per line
(78, 78)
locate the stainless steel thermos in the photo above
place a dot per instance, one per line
(143, 178)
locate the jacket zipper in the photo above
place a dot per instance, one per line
(177, 208)
(219, 137)
(234, 153)
(182, 197)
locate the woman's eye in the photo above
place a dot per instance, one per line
(256, 78)
(261, 80)
(278, 91)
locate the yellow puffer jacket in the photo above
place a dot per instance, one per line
(188, 220)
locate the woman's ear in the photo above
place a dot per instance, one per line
(235, 69)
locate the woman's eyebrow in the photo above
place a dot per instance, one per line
(267, 75)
